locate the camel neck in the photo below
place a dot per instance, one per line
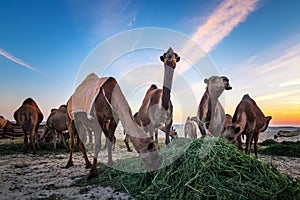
(168, 79)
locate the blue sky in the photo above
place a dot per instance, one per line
(43, 45)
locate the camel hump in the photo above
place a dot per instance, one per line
(53, 110)
(153, 87)
(28, 101)
(246, 96)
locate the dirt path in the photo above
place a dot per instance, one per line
(35, 177)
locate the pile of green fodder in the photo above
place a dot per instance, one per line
(206, 169)
(285, 148)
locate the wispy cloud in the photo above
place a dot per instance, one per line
(222, 21)
(227, 16)
(16, 60)
(290, 83)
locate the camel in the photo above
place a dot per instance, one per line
(109, 105)
(211, 115)
(6, 126)
(172, 133)
(56, 123)
(190, 128)
(29, 116)
(249, 120)
(156, 110)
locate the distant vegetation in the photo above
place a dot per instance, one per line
(289, 149)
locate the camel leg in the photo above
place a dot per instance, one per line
(71, 129)
(202, 129)
(55, 139)
(82, 140)
(25, 143)
(110, 137)
(64, 141)
(90, 134)
(97, 136)
(248, 142)
(32, 140)
(239, 143)
(126, 140)
(168, 128)
(255, 143)
(35, 139)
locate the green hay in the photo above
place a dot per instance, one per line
(268, 142)
(289, 149)
(225, 173)
(11, 147)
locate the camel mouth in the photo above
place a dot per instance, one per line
(228, 87)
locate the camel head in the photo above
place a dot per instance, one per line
(217, 84)
(230, 132)
(170, 58)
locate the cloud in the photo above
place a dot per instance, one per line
(222, 21)
(16, 60)
(217, 26)
(290, 83)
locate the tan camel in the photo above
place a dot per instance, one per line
(29, 116)
(110, 105)
(190, 128)
(211, 114)
(156, 110)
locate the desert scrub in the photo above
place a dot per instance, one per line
(224, 173)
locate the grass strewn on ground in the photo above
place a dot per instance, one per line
(224, 173)
(9, 146)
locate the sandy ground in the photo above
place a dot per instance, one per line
(35, 177)
(44, 177)
(286, 165)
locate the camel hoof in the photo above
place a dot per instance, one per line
(129, 150)
(92, 176)
(69, 164)
(88, 165)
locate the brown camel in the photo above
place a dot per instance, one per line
(56, 124)
(173, 134)
(29, 116)
(156, 110)
(6, 126)
(110, 105)
(211, 115)
(247, 120)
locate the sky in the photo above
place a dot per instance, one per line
(46, 48)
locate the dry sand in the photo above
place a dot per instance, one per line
(31, 176)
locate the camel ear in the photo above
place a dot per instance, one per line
(206, 81)
(150, 146)
(162, 58)
(177, 57)
(268, 118)
(237, 130)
